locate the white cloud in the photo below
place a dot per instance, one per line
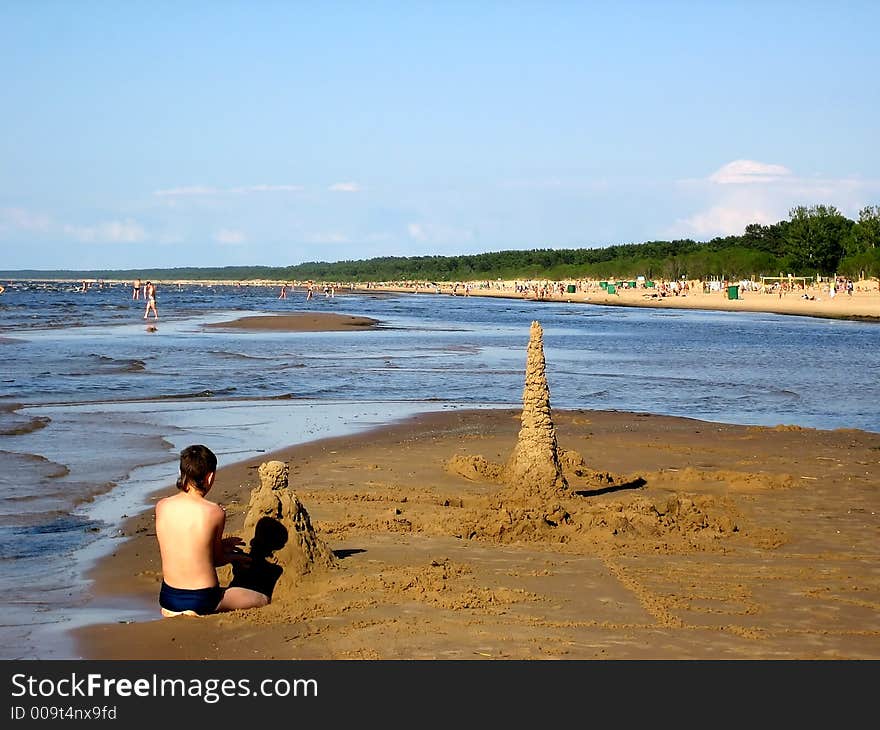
(721, 220)
(741, 172)
(345, 187)
(229, 237)
(747, 191)
(21, 219)
(127, 231)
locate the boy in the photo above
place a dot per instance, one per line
(189, 528)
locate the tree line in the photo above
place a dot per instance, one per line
(816, 239)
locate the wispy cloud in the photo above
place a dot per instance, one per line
(205, 191)
(229, 237)
(345, 187)
(416, 231)
(438, 233)
(21, 219)
(327, 237)
(190, 191)
(268, 189)
(127, 231)
(117, 231)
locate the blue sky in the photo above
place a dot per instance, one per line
(152, 134)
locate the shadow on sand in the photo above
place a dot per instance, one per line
(636, 483)
(258, 573)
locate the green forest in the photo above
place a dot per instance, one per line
(813, 240)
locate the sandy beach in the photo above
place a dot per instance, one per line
(862, 304)
(674, 539)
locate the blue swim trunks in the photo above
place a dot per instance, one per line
(201, 600)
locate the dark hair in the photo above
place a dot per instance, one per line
(196, 462)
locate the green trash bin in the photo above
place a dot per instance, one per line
(733, 292)
(603, 284)
(649, 284)
(610, 289)
(570, 288)
(632, 285)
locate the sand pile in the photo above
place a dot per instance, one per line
(283, 536)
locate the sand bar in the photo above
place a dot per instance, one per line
(298, 322)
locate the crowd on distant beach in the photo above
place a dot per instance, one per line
(820, 296)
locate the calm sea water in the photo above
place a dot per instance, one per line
(94, 407)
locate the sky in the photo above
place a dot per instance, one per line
(165, 134)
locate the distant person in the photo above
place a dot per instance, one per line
(136, 289)
(150, 294)
(283, 294)
(189, 528)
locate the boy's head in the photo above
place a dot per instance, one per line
(197, 465)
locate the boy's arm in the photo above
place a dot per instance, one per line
(225, 548)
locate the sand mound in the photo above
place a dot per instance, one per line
(282, 531)
(678, 519)
(475, 468)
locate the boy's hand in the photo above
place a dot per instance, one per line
(232, 552)
(231, 543)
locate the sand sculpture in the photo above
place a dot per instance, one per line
(283, 536)
(534, 467)
(537, 503)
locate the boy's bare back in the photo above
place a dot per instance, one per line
(189, 529)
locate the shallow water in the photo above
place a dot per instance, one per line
(94, 408)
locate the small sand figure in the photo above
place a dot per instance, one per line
(273, 511)
(534, 464)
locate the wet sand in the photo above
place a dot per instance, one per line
(684, 540)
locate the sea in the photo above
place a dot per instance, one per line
(96, 402)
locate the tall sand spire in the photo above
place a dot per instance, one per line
(534, 467)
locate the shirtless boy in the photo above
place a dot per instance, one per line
(189, 528)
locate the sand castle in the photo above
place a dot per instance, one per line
(284, 540)
(534, 467)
